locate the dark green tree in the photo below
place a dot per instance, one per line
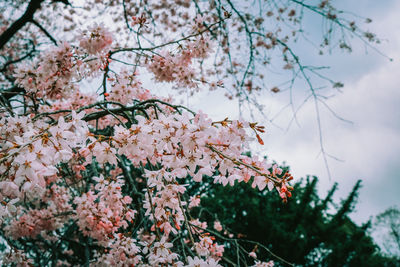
(306, 231)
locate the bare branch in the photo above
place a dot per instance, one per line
(44, 31)
(33, 6)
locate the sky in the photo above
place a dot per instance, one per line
(369, 147)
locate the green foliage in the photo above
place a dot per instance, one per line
(306, 231)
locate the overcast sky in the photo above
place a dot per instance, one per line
(370, 146)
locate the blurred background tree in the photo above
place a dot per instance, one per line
(387, 227)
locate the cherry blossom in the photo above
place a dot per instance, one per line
(96, 39)
(115, 167)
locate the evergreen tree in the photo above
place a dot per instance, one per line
(307, 231)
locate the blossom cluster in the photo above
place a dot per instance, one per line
(126, 88)
(52, 76)
(168, 67)
(31, 150)
(32, 222)
(101, 214)
(96, 39)
(117, 174)
(186, 146)
(123, 252)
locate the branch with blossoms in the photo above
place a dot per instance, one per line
(237, 242)
(83, 182)
(168, 148)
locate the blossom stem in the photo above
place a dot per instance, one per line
(239, 162)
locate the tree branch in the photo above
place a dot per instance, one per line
(44, 31)
(18, 24)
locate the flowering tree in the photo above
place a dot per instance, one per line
(108, 175)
